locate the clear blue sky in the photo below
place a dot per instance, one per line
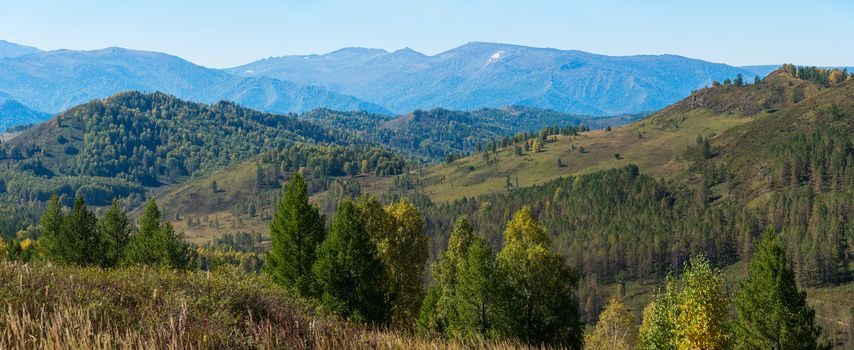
(227, 33)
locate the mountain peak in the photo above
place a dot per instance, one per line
(356, 51)
(12, 50)
(407, 51)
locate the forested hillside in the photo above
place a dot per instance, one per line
(132, 145)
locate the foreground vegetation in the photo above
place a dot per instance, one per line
(51, 307)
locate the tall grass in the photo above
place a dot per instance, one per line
(52, 307)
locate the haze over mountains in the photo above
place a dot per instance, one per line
(472, 76)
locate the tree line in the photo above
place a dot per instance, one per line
(79, 237)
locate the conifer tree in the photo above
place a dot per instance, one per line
(156, 243)
(296, 230)
(438, 309)
(85, 225)
(114, 229)
(771, 312)
(477, 292)
(50, 226)
(348, 271)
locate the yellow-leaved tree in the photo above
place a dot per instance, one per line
(398, 232)
(702, 312)
(690, 316)
(404, 251)
(615, 330)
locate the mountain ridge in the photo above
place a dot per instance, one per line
(55, 80)
(481, 74)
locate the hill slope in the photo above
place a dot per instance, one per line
(479, 75)
(656, 143)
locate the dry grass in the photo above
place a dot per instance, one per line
(665, 137)
(50, 307)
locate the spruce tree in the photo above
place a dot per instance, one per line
(155, 243)
(114, 229)
(348, 271)
(771, 312)
(81, 230)
(296, 230)
(50, 225)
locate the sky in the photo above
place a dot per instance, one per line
(222, 34)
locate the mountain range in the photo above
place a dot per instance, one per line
(56, 80)
(479, 75)
(469, 77)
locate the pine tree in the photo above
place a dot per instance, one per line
(114, 229)
(296, 230)
(348, 271)
(706, 149)
(771, 312)
(430, 322)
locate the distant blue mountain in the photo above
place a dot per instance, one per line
(479, 75)
(56, 80)
(11, 50)
(14, 113)
(470, 77)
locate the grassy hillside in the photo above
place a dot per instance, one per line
(656, 144)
